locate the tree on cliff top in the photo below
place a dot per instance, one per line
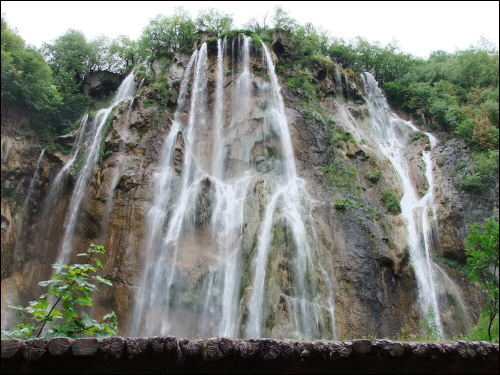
(483, 257)
(214, 21)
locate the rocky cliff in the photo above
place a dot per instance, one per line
(358, 272)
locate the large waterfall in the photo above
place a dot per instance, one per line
(226, 193)
(230, 207)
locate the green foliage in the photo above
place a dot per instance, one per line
(213, 21)
(256, 42)
(166, 34)
(431, 328)
(414, 136)
(485, 167)
(340, 176)
(282, 20)
(391, 201)
(341, 204)
(303, 81)
(53, 147)
(481, 247)
(482, 330)
(72, 287)
(373, 176)
(26, 77)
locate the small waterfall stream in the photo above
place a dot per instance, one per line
(125, 91)
(390, 131)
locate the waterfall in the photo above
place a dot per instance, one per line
(25, 211)
(346, 86)
(125, 91)
(389, 131)
(226, 179)
(338, 80)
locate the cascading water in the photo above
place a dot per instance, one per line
(26, 209)
(338, 80)
(211, 230)
(390, 133)
(125, 91)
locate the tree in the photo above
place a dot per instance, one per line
(26, 77)
(72, 288)
(258, 24)
(282, 20)
(126, 50)
(482, 250)
(213, 21)
(72, 52)
(164, 35)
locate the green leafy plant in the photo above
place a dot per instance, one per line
(432, 329)
(56, 313)
(391, 201)
(481, 247)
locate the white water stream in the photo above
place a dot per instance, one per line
(390, 132)
(125, 91)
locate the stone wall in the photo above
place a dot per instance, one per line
(222, 355)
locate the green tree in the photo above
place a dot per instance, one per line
(26, 77)
(165, 35)
(213, 21)
(431, 328)
(483, 257)
(72, 53)
(282, 20)
(127, 52)
(72, 287)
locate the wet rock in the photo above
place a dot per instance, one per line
(12, 349)
(270, 349)
(60, 346)
(85, 347)
(137, 346)
(362, 346)
(112, 347)
(35, 349)
(191, 348)
(212, 350)
(226, 346)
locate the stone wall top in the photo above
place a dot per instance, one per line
(223, 355)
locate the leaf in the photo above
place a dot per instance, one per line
(105, 281)
(58, 265)
(82, 255)
(98, 262)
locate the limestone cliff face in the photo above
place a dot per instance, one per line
(362, 247)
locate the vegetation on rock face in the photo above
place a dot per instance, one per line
(483, 258)
(58, 312)
(391, 201)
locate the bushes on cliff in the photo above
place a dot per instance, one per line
(482, 250)
(391, 201)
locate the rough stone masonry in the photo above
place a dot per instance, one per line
(158, 355)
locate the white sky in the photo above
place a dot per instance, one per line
(420, 27)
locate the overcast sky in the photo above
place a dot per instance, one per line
(420, 27)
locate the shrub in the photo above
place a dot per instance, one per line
(414, 136)
(391, 201)
(373, 176)
(72, 288)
